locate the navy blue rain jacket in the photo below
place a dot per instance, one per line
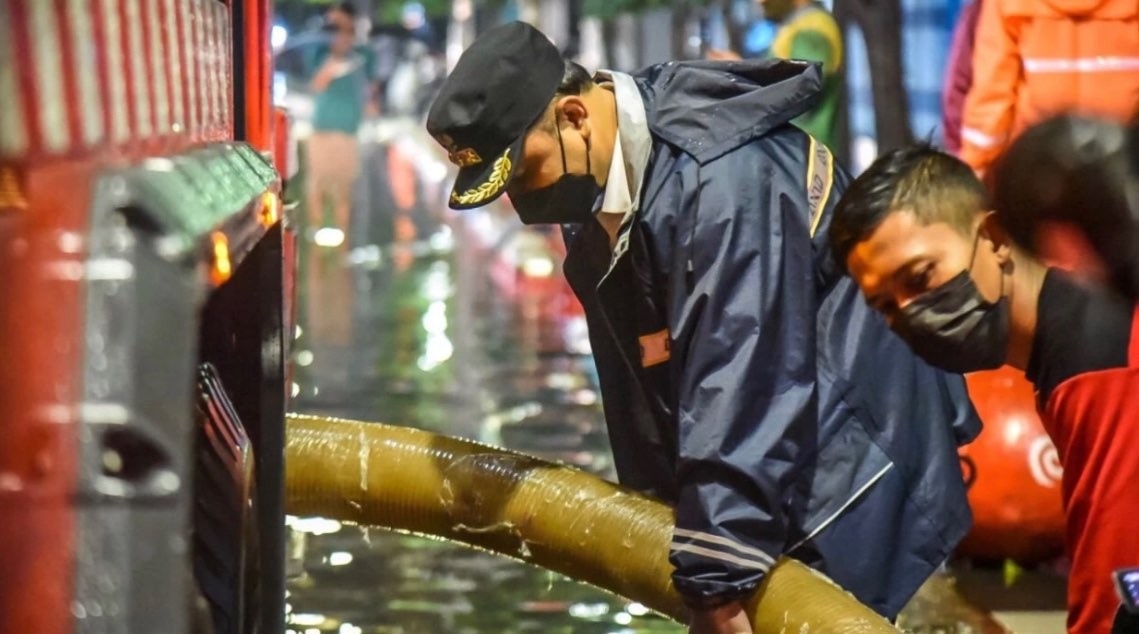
(744, 378)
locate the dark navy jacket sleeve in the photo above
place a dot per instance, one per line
(743, 321)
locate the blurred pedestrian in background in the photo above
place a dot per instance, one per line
(807, 31)
(344, 93)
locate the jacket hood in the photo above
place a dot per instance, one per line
(708, 108)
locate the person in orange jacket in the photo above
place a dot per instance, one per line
(1035, 58)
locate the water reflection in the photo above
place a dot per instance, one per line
(456, 329)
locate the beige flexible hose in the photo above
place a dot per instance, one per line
(549, 515)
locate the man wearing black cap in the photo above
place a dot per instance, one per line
(744, 379)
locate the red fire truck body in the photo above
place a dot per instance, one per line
(145, 263)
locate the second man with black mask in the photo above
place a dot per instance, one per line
(916, 234)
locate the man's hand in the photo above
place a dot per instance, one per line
(726, 619)
(723, 55)
(332, 69)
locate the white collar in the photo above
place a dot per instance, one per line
(630, 156)
(631, 152)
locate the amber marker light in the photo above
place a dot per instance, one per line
(223, 267)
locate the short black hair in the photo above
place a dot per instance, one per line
(575, 80)
(345, 7)
(935, 186)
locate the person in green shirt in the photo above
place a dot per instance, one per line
(809, 32)
(344, 93)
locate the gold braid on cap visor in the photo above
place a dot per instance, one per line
(497, 180)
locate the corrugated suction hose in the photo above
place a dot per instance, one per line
(549, 515)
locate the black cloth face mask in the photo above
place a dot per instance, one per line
(570, 200)
(954, 328)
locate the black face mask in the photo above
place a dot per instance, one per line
(954, 328)
(569, 200)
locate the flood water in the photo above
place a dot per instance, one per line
(417, 332)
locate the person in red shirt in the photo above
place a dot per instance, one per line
(916, 235)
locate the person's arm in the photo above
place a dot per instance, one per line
(959, 76)
(815, 46)
(326, 70)
(372, 97)
(991, 103)
(324, 76)
(723, 55)
(746, 380)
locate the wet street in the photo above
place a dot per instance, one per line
(458, 325)
(461, 325)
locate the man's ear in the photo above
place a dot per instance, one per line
(995, 234)
(574, 111)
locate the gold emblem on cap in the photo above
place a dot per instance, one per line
(464, 158)
(492, 186)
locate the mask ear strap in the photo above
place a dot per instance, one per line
(561, 145)
(973, 257)
(1002, 291)
(588, 167)
(973, 260)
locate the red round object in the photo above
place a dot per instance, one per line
(1014, 473)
